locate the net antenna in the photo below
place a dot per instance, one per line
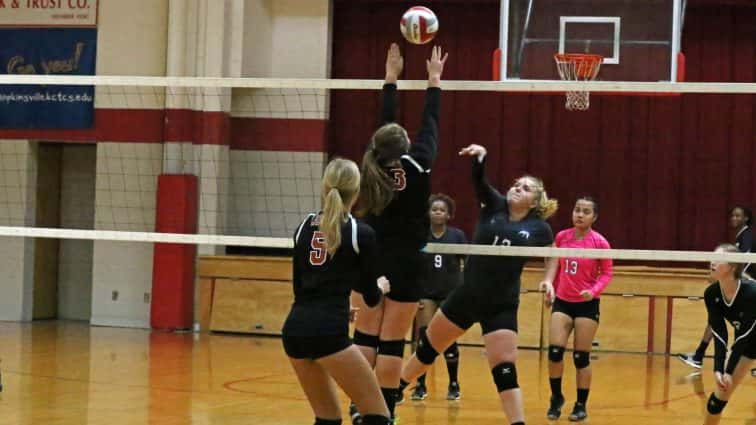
(578, 67)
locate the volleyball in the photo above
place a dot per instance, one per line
(419, 25)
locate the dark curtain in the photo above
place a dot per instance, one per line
(666, 170)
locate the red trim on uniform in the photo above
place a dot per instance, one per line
(650, 342)
(277, 134)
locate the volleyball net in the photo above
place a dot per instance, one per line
(237, 162)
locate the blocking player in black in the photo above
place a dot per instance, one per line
(333, 254)
(444, 274)
(732, 298)
(490, 292)
(740, 221)
(394, 201)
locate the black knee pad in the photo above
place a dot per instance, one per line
(375, 420)
(425, 351)
(319, 421)
(505, 376)
(715, 405)
(556, 353)
(365, 340)
(391, 348)
(452, 353)
(582, 359)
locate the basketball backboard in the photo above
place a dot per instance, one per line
(639, 39)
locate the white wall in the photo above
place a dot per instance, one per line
(287, 38)
(301, 39)
(17, 208)
(132, 40)
(272, 190)
(77, 200)
(131, 37)
(258, 38)
(126, 190)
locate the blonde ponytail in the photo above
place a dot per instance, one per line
(332, 219)
(340, 186)
(545, 207)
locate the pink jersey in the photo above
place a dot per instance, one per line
(578, 274)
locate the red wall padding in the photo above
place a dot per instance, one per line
(665, 169)
(173, 264)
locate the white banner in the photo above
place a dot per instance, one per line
(48, 13)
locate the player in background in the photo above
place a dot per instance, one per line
(740, 222)
(572, 287)
(445, 274)
(730, 298)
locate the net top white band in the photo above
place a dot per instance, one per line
(459, 249)
(316, 83)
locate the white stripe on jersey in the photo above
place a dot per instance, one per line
(745, 334)
(299, 229)
(355, 245)
(720, 339)
(413, 162)
(724, 300)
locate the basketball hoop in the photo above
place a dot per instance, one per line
(578, 67)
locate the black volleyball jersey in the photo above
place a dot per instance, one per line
(496, 279)
(744, 242)
(444, 273)
(741, 313)
(404, 223)
(322, 283)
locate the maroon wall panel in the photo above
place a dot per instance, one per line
(665, 169)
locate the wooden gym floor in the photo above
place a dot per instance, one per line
(71, 373)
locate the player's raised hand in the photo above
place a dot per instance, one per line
(435, 66)
(394, 64)
(474, 150)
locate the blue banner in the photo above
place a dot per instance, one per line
(47, 51)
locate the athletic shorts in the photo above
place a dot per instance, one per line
(314, 347)
(587, 309)
(464, 311)
(406, 271)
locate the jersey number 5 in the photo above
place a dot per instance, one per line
(400, 178)
(318, 253)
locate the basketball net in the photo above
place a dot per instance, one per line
(578, 67)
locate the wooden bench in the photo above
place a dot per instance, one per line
(644, 309)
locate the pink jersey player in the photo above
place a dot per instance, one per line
(572, 287)
(576, 275)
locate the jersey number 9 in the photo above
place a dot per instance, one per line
(438, 261)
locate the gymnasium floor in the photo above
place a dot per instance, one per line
(71, 373)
